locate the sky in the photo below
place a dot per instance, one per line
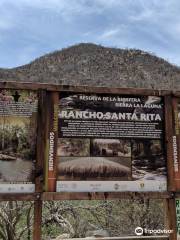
(32, 28)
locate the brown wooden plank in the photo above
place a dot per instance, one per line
(54, 87)
(19, 196)
(166, 221)
(40, 142)
(46, 140)
(169, 142)
(157, 237)
(171, 218)
(49, 196)
(37, 220)
(123, 91)
(51, 142)
(176, 144)
(21, 85)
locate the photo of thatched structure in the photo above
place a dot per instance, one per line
(110, 147)
(93, 168)
(73, 147)
(148, 161)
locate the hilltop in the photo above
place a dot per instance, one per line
(94, 65)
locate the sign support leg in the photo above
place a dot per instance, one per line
(170, 209)
(37, 220)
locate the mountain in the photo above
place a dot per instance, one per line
(94, 65)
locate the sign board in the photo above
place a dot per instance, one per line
(110, 143)
(85, 143)
(18, 127)
(88, 140)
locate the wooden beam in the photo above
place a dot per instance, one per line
(176, 143)
(169, 142)
(171, 217)
(19, 196)
(50, 196)
(41, 119)
(54, 87)
(126, 238)
(37, 220)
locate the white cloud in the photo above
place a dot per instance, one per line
(124, 23)
(109, 33)
(61, 4)
(162, 17)
(66, 9)
(67, 6)
(109, 3)
(154, 10)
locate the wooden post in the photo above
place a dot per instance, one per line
(170, 214)
(51, 141)
(166, 222)
(37, 219)
(40, 141)
(169, 142)
(176, 143)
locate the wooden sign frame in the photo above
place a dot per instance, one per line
(47, 90)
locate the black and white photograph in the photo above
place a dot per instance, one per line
(111, 148)
(148, 160)
(93, 168)
(73, 147)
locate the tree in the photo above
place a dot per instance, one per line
(16, 220)
(117, 217)
(78, 219)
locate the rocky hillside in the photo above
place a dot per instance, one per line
(94, 65)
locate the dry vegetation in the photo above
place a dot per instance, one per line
(94, 65)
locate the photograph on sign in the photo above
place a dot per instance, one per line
(95, 159)
(18, 127)
(110, 143)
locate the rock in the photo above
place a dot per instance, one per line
(6, 157)
(62, 236)
(98, 233)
